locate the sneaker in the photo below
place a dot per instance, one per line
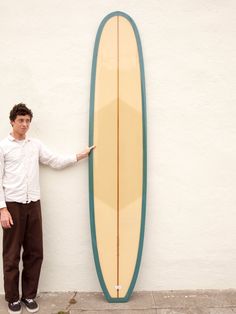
(31, 305)
(14, 307)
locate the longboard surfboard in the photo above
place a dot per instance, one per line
(117, 167)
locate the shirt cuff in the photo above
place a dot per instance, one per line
(2, 204)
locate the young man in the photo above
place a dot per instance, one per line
(20, 212)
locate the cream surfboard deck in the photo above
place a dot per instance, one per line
(117, 167)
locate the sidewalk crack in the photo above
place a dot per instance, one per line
(71, 301)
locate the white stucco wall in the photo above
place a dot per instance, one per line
(189, 52)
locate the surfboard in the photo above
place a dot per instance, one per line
(117, 167)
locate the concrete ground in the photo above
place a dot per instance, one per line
(166, 302)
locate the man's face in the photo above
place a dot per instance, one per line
(21, 124)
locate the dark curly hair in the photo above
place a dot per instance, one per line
(20, 110)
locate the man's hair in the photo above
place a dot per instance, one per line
(20, 110)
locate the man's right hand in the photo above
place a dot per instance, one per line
(5, 218)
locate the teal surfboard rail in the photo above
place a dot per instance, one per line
(91, 186)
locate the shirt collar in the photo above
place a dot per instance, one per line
(12, 139)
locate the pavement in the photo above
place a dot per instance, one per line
(152, 302)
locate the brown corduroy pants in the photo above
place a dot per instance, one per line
(26, 233)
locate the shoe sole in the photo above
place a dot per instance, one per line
(14, 312)
(31, 311)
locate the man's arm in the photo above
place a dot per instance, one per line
(60, 161)
(5, 216)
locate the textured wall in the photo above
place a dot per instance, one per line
(189, 52)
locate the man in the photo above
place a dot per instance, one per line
(20, 212)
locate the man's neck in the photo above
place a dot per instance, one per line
(18, 137)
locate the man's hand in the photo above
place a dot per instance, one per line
(84, 153)
(5, 218)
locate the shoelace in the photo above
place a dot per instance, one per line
(29, 300)
(16, 303)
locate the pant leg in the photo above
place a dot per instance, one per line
(12, 241)
(33, 251)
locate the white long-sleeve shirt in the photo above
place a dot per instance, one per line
(19, 168)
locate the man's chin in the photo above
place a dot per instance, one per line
(22, 133)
